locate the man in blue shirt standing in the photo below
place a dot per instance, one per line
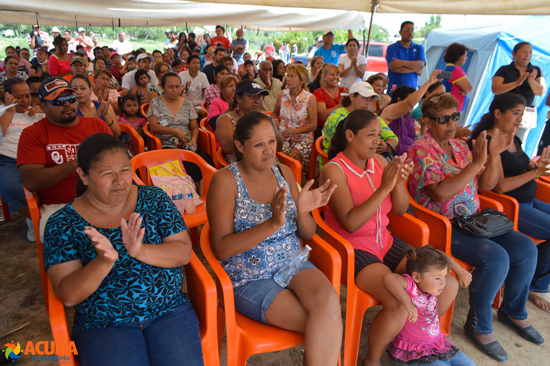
(405, 59)
(331, 52)
(239, 46)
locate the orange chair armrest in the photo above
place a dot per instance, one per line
(326, 259)
(293, 164)
(509, 204)
(58, 322)
(409, 229)
(543, 190)
(440, 227)
(154, 142)
(487, 202)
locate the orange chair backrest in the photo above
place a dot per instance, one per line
(156, 157)
(137, 140)
(68, 77)
(144, 108)
(320, 151)
(293, 164)
(221, 158)
(203, 107)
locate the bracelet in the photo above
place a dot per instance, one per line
(110, 124)
(538, 175)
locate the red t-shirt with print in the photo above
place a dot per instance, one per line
(50, 145)
(223, 40)
(322, 96)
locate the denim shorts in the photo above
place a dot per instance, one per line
(253, 298)
(11, 184)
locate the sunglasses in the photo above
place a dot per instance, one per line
(444, 120)
(61, 100)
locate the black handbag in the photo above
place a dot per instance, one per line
(486, 224)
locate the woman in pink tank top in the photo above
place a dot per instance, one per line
(368, 188)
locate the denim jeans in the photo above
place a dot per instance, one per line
(510, 259)
(173, 339)
(534, 220)
(460, 359)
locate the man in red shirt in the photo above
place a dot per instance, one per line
(220, 38)
(46, 154)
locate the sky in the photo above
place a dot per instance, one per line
(393, 21)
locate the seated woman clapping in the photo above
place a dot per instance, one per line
(115, 254)
(517, 178)
(445, 179)
(368, 188)
(257, 216)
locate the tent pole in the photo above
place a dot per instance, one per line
(373, 8)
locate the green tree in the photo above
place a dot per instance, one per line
(421, 32)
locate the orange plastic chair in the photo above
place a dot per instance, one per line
(5, 210)
(293, 164)
(245, 336)
(68, 77)
(203, 107)
(153, 142)
(407, 228)
(312, 161)
(269, 113)
(156, 157)
(201, 291)
(35, 217)
(144, 108)
(203, 125)
(320, 151)
(440, 232)
(220, 159)
(137, 140)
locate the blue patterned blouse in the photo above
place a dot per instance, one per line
(132, 291)
(262, 261)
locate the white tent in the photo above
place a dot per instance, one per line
(168, 13)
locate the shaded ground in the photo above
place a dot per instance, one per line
(21, 301)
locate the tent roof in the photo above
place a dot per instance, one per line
(167, 13)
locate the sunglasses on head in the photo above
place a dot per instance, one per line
(444, 120)
(61, 100)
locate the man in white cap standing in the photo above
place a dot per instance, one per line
(144, 62)
(55, 33)
(122, 46)
(329, 51)
(85, 42)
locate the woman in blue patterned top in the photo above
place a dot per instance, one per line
(257, 215)
(114, 253)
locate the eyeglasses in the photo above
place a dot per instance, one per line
(255, 97)
(444, 120)
(61, 100)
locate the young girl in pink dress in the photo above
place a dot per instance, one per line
(130, 107)
(421, 342)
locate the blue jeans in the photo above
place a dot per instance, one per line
(534, 220)
(11, 184)
(510, 259)
(173, 339)
(460, 359)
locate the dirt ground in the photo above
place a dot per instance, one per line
(21, 301)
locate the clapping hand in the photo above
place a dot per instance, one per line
(500, 141)
(532, 75)
(310, 200)
(392, 172)
(278, 206)
(132, 235)
(479, 150)
(406, 170)
(102, 109)
(544, 159)
(462, 132)
(102, 245)
(522, 78)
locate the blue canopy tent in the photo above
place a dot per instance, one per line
(490, 48)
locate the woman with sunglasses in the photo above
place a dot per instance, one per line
(248, 97)
(445, 179)
(518, 180)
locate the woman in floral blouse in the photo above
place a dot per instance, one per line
(445, 179)
(296, 109)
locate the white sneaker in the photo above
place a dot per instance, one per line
(30, 233)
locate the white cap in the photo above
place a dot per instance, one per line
(363, 88)
(81, 30)
(143, 55)
(55, 30)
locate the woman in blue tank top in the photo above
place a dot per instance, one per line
(257, 215)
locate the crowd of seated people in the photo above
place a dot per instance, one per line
(61, 140)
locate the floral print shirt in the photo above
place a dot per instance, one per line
(433, 165)
(295, 116)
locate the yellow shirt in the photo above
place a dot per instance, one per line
(268, 104)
